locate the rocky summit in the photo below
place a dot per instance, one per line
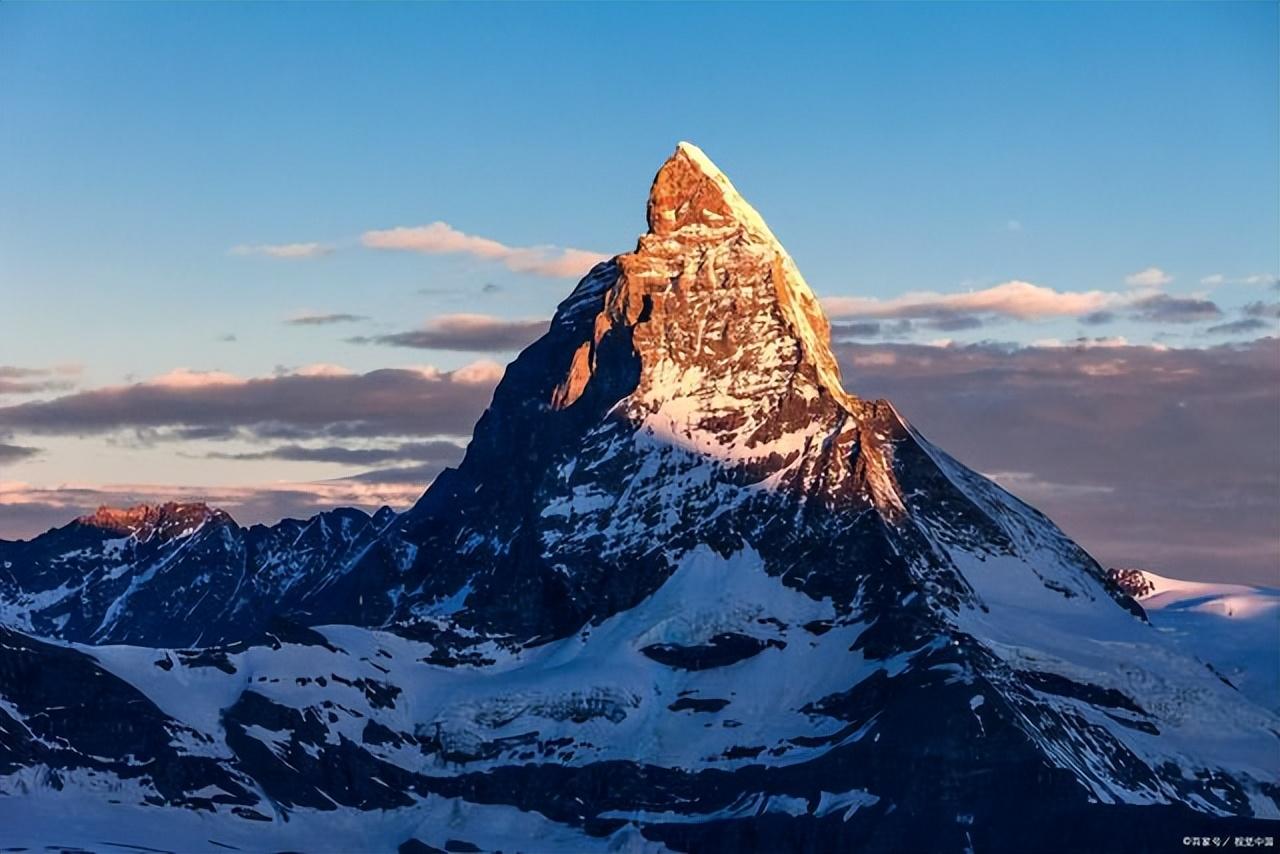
(684, 592)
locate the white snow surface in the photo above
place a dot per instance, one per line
(600, 673)
(1236, 627)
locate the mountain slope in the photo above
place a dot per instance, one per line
(684, 590)
(1234, 626)
(181, 574)
(686, 394)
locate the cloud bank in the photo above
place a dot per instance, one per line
(468, 333)
(1016, 299)
(1149, 456)
(312, 402)
(860, 317)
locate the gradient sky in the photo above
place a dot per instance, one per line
(211, 188)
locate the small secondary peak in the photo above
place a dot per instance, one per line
(145, 518)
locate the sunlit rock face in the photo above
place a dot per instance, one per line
(145, 521)
(686, 382)
(686, 395)
(684, 592)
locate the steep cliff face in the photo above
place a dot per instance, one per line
(686, 394)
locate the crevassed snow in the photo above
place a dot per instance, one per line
(1236, 627)
(596, 688)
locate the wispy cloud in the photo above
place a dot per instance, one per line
(440, 238)
(1269, 279)
(440, 452)
(182, 378)
(1015, 299)
(1033, 488)
(1243, 326)
(16, 453)
(312, 318)
(1262, 309)
(17, 380)
(1099, 318)
(475, 333)
(1151, 277)
(1256, 317)
(283, 250)
(1087, 343)
(864, 329)
(1163, 308)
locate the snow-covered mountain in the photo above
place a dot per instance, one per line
(1236, 627)
(684, 592)
(182, 574)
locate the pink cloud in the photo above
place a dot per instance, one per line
(440, 238)
(187, 378)
(283, 250)
(483, 372)
(1017, 299)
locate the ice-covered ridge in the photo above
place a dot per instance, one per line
(1236, 601)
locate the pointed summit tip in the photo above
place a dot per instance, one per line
(690, 190)
(705, 234)
(699, 158)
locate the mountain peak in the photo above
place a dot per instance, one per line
(168, 519)
(691, 191)
(716, 278)
(676, 557)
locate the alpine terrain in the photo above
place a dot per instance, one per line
(684, 592)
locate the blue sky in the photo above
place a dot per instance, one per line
(894, 148)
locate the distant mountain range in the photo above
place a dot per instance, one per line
(684, 592)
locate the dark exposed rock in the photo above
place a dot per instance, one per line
(698, 705)
(720, 651)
